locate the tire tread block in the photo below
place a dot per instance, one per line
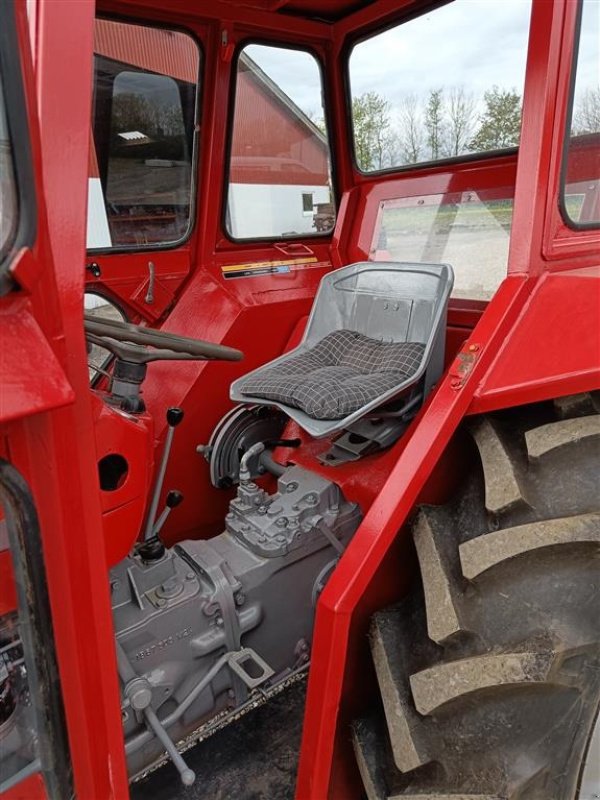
(486, 551)
(367, 750)
(548, 438)
(429, 796)
(502, 486)
(403, 722)
(443, 612)
(434, 687)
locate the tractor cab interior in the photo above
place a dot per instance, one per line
(270, 361)
(297, 215)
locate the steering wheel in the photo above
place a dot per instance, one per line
(129, 342)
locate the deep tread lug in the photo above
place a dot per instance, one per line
(443, 614)
(502, 487)
(447, 797)
(367, 750)
(547, 438)
(404, 724)
(480, 554)
(434, 687)
(577, 405)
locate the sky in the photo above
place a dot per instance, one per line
(469, 43)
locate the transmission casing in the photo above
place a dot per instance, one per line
(253, 586)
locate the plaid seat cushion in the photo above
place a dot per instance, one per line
(340, 374)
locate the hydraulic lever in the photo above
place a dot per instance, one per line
(174, 417)
(174, 498)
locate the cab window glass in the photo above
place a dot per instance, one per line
(8, 192)
(470, 230)
(581, 168)
(429, 89)
(279, 168)
(144, 133)
(32, 732)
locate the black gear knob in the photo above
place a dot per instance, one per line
(174, 498)
(174, 416)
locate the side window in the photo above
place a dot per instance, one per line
(8, 190)
(581, 167)
(144, 135)
(428, 89)
(470, 230)
(279, 168)
(32, 732)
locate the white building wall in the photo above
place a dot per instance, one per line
(266, 210)
(98, 232)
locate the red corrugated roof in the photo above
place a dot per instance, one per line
(158, 50)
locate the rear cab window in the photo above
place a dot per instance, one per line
(279, 181)
(17, 191)
(426, 92)
(580, 195)
(141, 173)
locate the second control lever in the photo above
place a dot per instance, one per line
(174, 417)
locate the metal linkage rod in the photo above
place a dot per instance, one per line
(174, 417)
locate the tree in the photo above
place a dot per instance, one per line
(411, 131)
(461, 121)
(132, 112)
(434, 113)
(500, 124)
(586, 114)
(372, 134)
(317, 119)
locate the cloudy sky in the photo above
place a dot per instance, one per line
(470, 43)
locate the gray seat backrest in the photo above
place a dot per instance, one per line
(389, 301)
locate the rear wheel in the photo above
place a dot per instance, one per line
(489, 671)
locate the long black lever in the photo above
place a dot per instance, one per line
(174, 417)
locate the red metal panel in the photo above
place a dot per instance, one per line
(544, 357)
(57, 450)
(32, 377)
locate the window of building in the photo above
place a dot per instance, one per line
(307, 202)
(581, 167)
(428, 89)
(144, 136)
(469, 230)
(279, 168)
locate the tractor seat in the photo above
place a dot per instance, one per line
(340, 374)
(376, 333)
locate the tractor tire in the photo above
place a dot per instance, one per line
(489, 671)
